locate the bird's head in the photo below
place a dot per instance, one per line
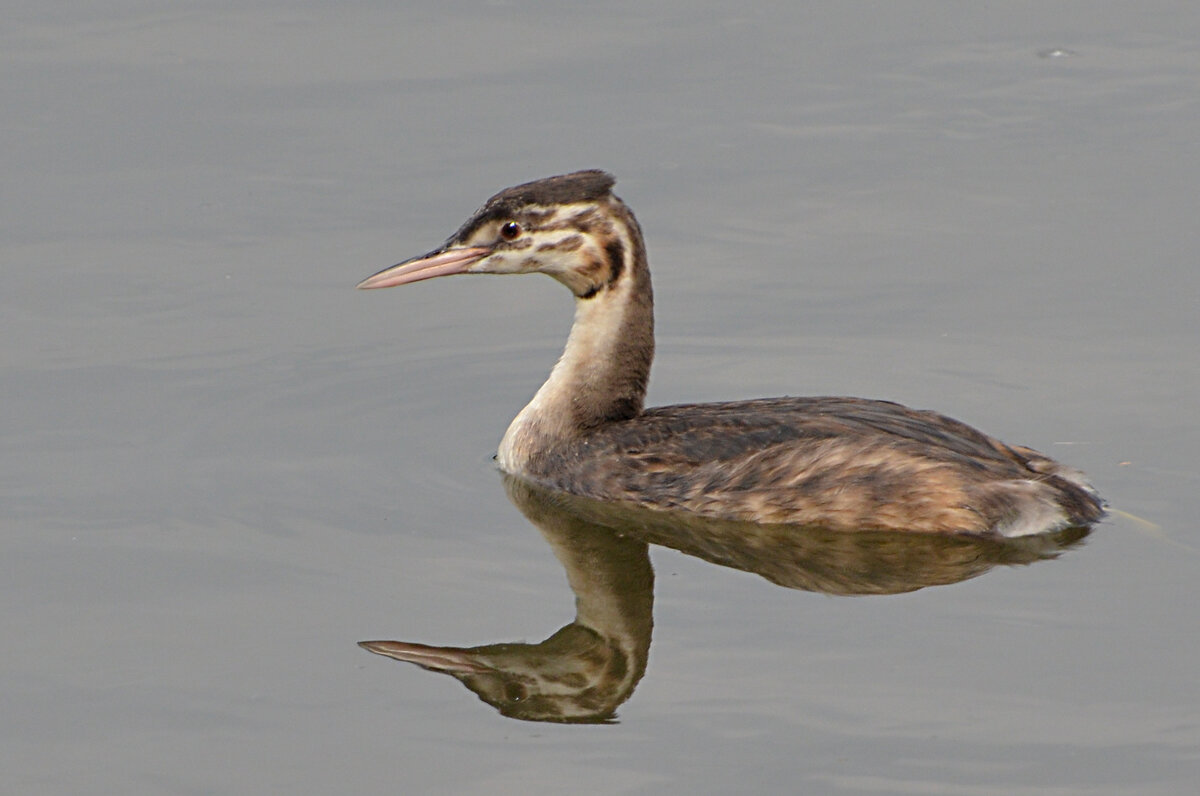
(570, 227)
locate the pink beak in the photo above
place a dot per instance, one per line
(439, 263)
(452, 660)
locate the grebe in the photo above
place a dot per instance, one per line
(838, 463)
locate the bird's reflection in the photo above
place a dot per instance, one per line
(586, 669)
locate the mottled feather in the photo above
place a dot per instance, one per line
(843, 463)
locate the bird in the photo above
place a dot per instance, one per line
(839, 463)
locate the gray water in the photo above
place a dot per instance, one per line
(223, 466)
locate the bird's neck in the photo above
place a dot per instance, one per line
(601, 376)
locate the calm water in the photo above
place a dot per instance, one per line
(223, 466)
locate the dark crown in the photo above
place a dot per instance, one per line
(579, 186)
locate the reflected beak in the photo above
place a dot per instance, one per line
(452, 660)
(439, 263)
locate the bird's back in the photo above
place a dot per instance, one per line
(841, 463)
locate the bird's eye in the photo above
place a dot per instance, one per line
(510, 231)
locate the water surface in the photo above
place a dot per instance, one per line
(225, 467)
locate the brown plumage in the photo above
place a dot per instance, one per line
(840, 463)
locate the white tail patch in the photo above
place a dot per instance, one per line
(1037, 511)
